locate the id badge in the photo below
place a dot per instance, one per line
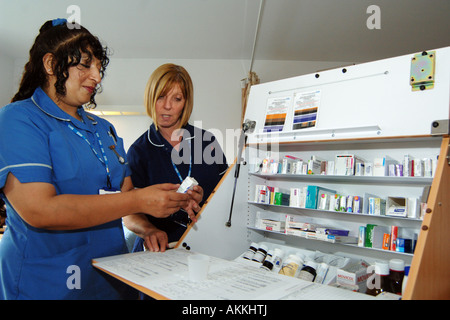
(108, 191)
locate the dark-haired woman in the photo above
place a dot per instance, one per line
(64, 176)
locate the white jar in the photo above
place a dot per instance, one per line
(291, 265)
(260, 255)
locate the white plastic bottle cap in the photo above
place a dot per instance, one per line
(397, 264)
(311, 264)
(279, 253)
(295, 258)
(381, 268)
(263, 247)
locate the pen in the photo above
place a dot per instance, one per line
(113, 135)
(121, 159)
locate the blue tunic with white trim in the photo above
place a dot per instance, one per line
(153, 160)
(37, 145)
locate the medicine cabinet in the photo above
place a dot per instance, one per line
(416, 187)
(370, 111)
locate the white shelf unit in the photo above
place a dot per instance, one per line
(369, 110)
(383, 186)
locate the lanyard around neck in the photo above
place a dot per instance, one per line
(105, 158)
(190, 165)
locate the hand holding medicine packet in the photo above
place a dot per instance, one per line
(187, 184)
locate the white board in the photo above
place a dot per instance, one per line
(368, 100)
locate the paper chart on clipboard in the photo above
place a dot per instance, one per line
(306, 107)
(276, 111)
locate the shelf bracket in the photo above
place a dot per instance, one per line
(422, 71)
(440, 127)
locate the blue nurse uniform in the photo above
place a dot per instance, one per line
(41, 143)
(153, 160)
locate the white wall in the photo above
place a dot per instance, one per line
(217, 91)
(217, 97)
(6, 76)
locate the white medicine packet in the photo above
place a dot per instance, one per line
(187, 184)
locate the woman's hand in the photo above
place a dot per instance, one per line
(155, 240)
(162, 200)
(196, 194)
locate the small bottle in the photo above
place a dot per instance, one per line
(250, 251)
(396, 274)
(268, 262)
(308, 271)
(291, 265)
(321, 271)
(260, 254)
(381, 283)
(277, 259)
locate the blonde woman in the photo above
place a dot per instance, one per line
(169, 151)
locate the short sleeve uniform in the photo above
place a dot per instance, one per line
(153, 161)
(39, 143)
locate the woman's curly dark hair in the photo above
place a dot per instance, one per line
(67, 45)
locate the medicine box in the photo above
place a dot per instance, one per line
(292, 222)
(396, 207)
(332, 231)
(404, 245)
(262, 194)
(335, 201)
(374, 204)
(312, 196)
(381, 165)
(334, 238)
(325, 196)
(281, 199)
(357, 204)
(369, 235)
(403, 207)
(298, 228)
(354, 273)
(378, 235)
(297, 197)
(413, 208)
(271, 225)
(287, 164)
(345, 164)
(295, 232)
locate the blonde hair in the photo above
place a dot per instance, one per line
(161, 81)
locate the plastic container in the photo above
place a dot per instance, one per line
(250, 251)
(321, 271)
(277, 259)
(268, 262)
(405, 279)
(260, 254)
(308, 272)
(381, 282)
(396, 275)
(291, 265)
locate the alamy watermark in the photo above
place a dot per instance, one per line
(74, 19)
(74, 280)
(215, 140)
(374, 20)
